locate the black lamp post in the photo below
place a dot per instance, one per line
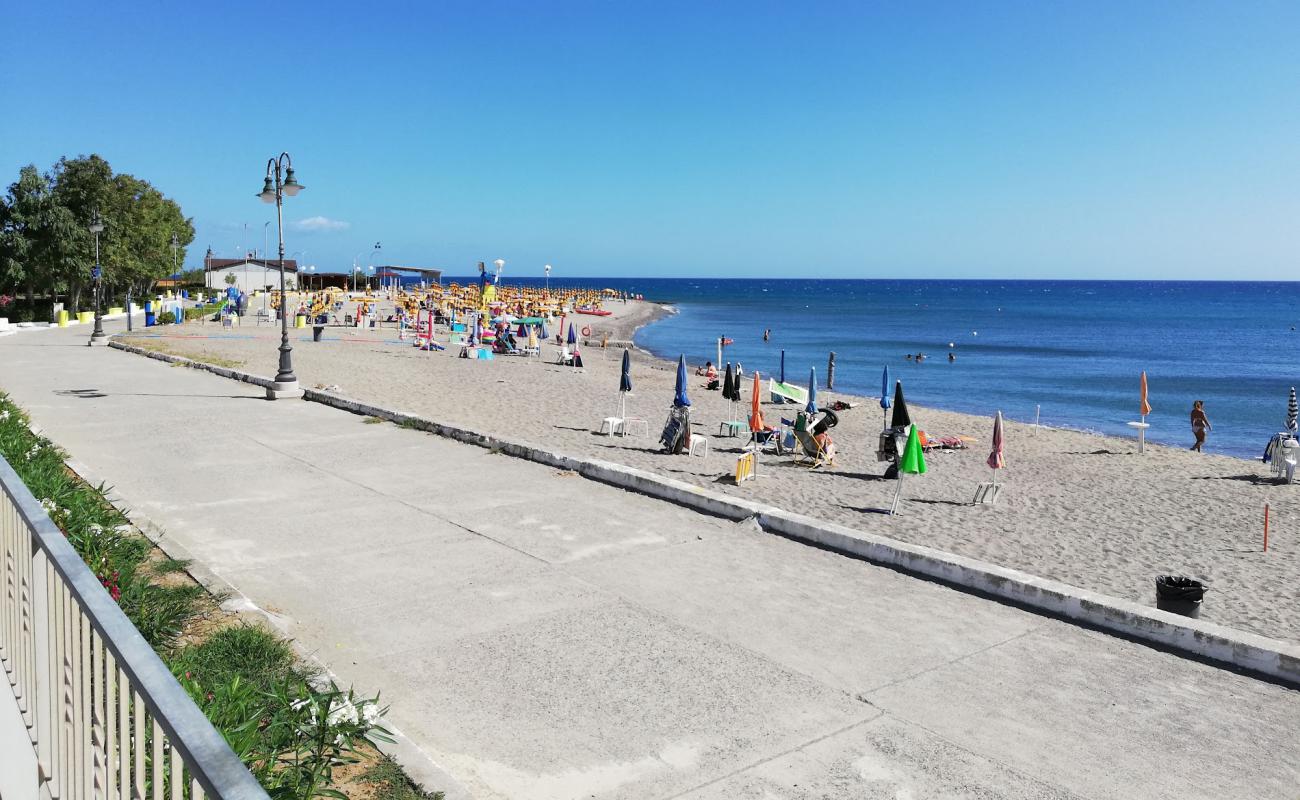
(279, 182)
(98, 337)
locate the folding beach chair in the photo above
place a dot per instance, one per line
(812, 451)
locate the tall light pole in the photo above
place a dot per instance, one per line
(176, 246)
(500, 265)
(97, 337)
(280, 181)
(547, 270)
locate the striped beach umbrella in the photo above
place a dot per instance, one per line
(1292, 412)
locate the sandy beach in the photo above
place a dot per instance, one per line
(1080, 508)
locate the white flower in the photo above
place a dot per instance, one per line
(4, 415)
(342, 711)
(49, 506)
(370, 713)
(95, 530)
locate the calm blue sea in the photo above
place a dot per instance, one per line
(1073, 348)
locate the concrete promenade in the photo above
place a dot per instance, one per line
(542, 636)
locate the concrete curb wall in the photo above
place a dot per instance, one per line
(1247, 651)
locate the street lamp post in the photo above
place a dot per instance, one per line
(280, 181)
(500, 265)
(97, 337)
(547, 270)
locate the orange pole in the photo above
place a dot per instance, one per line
(1266, 527)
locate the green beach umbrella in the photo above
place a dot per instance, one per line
(913, 458)
(912, 461)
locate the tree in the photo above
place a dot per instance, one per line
(231, 279)
(45, 241)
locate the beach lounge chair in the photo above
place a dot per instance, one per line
(1283, 453)
(676, 431)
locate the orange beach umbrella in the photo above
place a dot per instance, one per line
(755, 412)
(1145, 407)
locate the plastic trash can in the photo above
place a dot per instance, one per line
(1179, 595)
(316, 331)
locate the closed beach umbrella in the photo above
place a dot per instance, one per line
(1292, 412)
(532, 336)
(996, 461)
(1144, 407)
(912, 463)
(782, 378)
(625, 380)
(681, 399)
(884, 395)
(542, 332)
(730, 389)
(573, 335)
(755, 410)
(901, 418)
(811, 408)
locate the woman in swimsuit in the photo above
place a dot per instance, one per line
(1200, 424)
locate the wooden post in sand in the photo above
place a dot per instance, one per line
(1266, 527)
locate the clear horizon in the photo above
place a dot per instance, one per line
(941, 141)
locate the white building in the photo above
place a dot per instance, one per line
(250, 274)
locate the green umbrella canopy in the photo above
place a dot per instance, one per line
(913, 459)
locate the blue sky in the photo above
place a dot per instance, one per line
(1025, 139)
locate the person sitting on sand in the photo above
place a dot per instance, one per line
(1200, 423)
(708, 370)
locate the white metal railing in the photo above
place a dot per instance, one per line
(106, 718)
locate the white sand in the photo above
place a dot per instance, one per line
(1080, 508)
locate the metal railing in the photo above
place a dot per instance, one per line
(106, 718)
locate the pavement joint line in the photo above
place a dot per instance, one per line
(880, 712)
(423, 511)
(1249, 652)
(864, 695)
(421, 766)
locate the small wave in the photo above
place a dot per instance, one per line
(670, 309)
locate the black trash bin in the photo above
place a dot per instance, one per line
(316, 331)
(1179, 595)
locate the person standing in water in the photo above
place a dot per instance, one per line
(1200, 424)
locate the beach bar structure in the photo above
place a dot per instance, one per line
(395, 276)
(251, 274)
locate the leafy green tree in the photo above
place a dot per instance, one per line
(46, 244)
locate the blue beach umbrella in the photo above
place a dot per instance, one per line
(811, 408)
(573, 336)
(782, 378)
(542, 332)
(884, 395)
(681, 399)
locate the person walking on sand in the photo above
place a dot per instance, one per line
(1200, 424)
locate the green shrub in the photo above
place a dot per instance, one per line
(166, 318)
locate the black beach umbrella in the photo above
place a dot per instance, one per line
(901, 418)
(625, 380)
(730, 391)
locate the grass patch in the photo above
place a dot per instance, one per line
(389, 782)
(411, 424)
(372, 421)
(203, 355)
(168, 565)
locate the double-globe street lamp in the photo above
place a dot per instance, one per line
(97, 337)
(279, 182)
